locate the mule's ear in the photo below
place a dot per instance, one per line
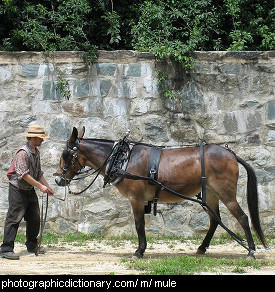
(73, 136)
(81, 133)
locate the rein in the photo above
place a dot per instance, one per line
(72, 154)
(97, 171)
(43, 223)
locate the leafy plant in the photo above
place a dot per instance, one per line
(162, 81)
(112, 19)
(167, 28)
(157, 32)
(62, 85)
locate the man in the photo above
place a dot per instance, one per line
(25, 174)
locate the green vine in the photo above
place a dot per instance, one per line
(62, 85)
(162, 82)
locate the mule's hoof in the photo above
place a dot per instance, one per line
(250, 256)
(201, 250)
(137, 255)
(134, 258)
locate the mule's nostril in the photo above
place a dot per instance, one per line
(59, 181)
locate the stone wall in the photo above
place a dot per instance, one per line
(227, 98)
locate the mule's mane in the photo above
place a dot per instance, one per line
(96, 140)
(112, 141)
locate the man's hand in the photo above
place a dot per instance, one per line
(41, 184)
(43, 181)
(43, 189)
(50, 191)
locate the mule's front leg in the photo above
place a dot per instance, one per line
(138, 209)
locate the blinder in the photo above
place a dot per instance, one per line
(69, 156)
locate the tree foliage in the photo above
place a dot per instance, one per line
(164, 27)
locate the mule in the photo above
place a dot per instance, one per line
(179, 170)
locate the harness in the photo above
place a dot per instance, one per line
(119, 159)
(116, 164)
(155, 156)
(153, 176)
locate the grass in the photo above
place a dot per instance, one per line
(189, 265)
(78, 238)
(174, 265)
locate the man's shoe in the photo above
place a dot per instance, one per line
(10, 255)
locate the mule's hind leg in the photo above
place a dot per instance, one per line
(242, 218)
(213, 203)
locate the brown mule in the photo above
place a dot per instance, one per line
(179, 170)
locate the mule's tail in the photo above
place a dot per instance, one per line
(252, 199)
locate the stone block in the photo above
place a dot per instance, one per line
(30, 70)
(199, 221)
(242, 121)
(148, 105)
(105, 86)
(191, 98)
(127, 88)
(116, 107)
(155, 129)
(82, 88)
(230, 68)
(50, 92)
(5, 73)
(47, 70)
(62, 226)
(94, 106)
(175, 218)
(60, 129)
(254, 120)
(265, 174)
(254, 139)
(265, 199)
(74, 109)
(271, 135)
(151, 86)
(106, 69)
(97, 228)
(230, 123)
(261, 157)
(133, 70)
(271, 110)
(250, 103)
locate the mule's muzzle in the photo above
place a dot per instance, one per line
(60, 181)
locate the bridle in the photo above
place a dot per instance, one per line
(70, 157)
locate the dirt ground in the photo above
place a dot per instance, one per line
(102, 258)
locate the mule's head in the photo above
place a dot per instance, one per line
(71, 161)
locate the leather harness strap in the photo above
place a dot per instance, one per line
(203, 177)
(153, 176)
(154, 163)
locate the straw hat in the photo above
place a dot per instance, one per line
(36, 131)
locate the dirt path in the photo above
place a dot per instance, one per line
(102, 257)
